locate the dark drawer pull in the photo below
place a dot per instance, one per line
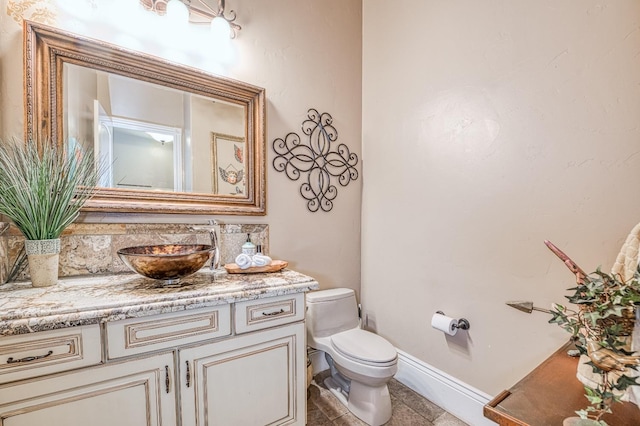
(10, 360)
(167, 379)
(273, 314)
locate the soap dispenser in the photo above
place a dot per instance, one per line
(248, 247)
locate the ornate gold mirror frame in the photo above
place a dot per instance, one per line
(47, 49)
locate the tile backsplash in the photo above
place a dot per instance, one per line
(92, 248)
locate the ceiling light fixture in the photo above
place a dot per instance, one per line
(161, 137)
(198, 12)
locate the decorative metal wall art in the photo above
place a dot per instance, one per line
(317, 159)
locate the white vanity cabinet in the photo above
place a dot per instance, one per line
(240, 363)
(256, 378)
(132, 393)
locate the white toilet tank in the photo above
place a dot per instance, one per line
(331, 311)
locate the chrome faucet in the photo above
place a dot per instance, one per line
(211, 228)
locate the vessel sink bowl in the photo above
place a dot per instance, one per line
(166, 262)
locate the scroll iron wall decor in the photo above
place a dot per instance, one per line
(317, 159)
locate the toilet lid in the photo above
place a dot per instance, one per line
(363, 345)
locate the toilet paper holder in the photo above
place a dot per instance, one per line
(463, 323)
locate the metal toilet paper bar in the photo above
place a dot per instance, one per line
(463, 323)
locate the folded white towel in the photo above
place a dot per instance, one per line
(243, 261)
(260, 260)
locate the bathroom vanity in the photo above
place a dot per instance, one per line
(123, 350)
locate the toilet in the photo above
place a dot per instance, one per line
(361, 362)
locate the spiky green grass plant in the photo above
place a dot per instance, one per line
(42, 192)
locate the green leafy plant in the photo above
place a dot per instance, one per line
(601, 326)
(43, 188)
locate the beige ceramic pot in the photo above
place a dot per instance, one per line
(43, 256)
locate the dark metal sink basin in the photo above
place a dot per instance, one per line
(167, 262)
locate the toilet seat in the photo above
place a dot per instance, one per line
(364, 347)
(347, 363)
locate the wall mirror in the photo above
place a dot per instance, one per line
(176, 139)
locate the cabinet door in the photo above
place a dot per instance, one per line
(253, 380)
(133, 393)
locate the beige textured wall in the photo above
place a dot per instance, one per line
(488, 127)
(307, 54)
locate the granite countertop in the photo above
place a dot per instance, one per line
(94, 299)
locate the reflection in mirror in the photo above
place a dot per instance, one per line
(125, 120)
(228, 164)
(177, 139)
(162, 169)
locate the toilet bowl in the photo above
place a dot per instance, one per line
(361, 362)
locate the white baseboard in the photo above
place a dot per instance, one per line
(456, 397)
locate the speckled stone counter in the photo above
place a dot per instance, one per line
(89, 300)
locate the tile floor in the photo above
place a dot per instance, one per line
(409, 408)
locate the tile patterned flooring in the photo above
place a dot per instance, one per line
(409, 408)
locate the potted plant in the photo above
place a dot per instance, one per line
(42, 190)
(601, 326)
(600, 323)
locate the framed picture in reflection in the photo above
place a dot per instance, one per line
(228, 154)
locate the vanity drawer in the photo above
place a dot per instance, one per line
(264, 313)
(36, 354)
(139, 335)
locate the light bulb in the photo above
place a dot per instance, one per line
(177, 12)
(221, 40)
(220, 28)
